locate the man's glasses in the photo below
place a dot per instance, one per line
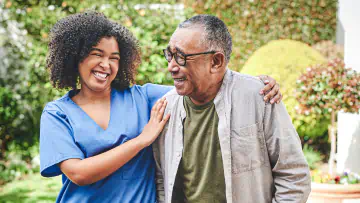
(180, 58)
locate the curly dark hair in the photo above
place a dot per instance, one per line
(71, 40)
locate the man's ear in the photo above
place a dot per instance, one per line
(218, 62)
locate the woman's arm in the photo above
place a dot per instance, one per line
(92, 169)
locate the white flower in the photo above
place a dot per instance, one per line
(246, 13)
(51, 7)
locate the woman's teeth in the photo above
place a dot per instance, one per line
(102, 75)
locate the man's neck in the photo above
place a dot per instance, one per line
(208, 95)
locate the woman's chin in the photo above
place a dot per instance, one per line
(97, 87)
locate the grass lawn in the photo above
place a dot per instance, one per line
(33, 189)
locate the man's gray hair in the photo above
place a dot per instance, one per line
(216, 36)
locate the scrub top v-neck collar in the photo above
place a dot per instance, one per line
(72, 93)
(66, 132)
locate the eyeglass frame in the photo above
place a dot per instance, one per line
(185, 55)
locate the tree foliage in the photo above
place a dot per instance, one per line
(24, 34)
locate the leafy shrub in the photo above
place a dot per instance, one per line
(153, 28)
(285, 60)
(13, 168)
(17, 162)
(327, 88)
(330, 50)
(313, 157)
(254, 23)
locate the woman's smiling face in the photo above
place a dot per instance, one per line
(101, 66)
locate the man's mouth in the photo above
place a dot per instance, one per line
(100, 75)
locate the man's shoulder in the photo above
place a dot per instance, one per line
(172, 94)
(172, 97)
(245, 84)
(246, 79)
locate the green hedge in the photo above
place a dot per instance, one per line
(254, 23)
(25, 86)
(286, 60)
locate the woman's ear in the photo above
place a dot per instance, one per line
(218, 62)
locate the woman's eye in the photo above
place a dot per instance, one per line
(115, 58)
(96, 54)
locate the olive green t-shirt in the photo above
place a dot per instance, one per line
(200, 177)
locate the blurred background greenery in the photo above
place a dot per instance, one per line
(276, 37)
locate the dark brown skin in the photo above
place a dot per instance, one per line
(203, 74)
(94, 99)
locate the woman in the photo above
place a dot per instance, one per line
(98, 137)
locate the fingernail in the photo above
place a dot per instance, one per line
(266, 81)
(261, 92)
(265, 98)
(272, 101)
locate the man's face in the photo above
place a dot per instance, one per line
(192, 79)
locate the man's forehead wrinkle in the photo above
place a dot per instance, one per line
(187, 40)
(175, 44)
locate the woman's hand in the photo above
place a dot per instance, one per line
(271, 90)
(85, 172)
(156, 123)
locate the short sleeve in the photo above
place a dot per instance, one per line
(155, 92)
(56, 142)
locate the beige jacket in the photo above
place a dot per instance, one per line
(261, 151)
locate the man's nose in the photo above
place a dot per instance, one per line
(173, 66)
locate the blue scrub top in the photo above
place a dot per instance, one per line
(66, 132)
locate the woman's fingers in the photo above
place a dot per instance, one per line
(274, 91)
(276, 99)
(165, 119)
(263, 78)
(158, 110)
(154, 109)
(161, 110)
(271, 83)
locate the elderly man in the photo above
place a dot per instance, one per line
(223, 143)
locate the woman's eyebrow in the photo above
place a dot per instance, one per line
(99, 50)
(96, 49)
(116, 53)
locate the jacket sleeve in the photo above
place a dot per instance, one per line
(289, 168)
(158, 150)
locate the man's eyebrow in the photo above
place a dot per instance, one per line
(180, 50)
